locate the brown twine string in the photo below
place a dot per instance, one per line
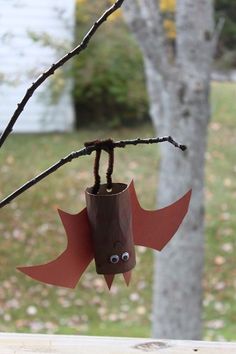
(110, 169)
(106, 145)
(97, 178)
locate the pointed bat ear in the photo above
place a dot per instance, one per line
(109, 279)
(155, 229)
(67, 269)
(127, 277)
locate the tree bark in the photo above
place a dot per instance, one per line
(179, 106)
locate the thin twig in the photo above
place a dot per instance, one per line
(217, 33)
(102, 145)
(76, 51)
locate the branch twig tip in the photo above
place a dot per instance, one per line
(183, 147)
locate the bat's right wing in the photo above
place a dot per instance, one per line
(67, 269)
(155, 228)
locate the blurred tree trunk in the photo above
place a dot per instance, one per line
(178, 87)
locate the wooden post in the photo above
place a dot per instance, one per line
(12, 343)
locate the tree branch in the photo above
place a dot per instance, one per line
(218, 29)
(55, 66)
(145, 20)
(102, 145)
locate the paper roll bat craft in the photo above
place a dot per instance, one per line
(107, 231)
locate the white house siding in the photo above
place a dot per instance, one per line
(22, 60)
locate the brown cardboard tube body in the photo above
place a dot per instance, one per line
(110, 217)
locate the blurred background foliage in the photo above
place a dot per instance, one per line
(226, 55)
(109, 84)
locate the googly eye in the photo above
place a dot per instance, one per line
(114, 258)
(125, 256)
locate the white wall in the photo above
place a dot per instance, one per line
(22, 60)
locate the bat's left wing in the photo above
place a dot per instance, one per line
(67, 269)
(154, 229)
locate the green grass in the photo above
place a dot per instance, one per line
(220, 269)
(31, 233)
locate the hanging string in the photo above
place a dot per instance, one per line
(110, 169)
(106, 145)
(97, 178)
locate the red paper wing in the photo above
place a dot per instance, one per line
(154, 229)
(67, 269)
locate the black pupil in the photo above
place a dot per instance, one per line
(114, 259)
(125, 256)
